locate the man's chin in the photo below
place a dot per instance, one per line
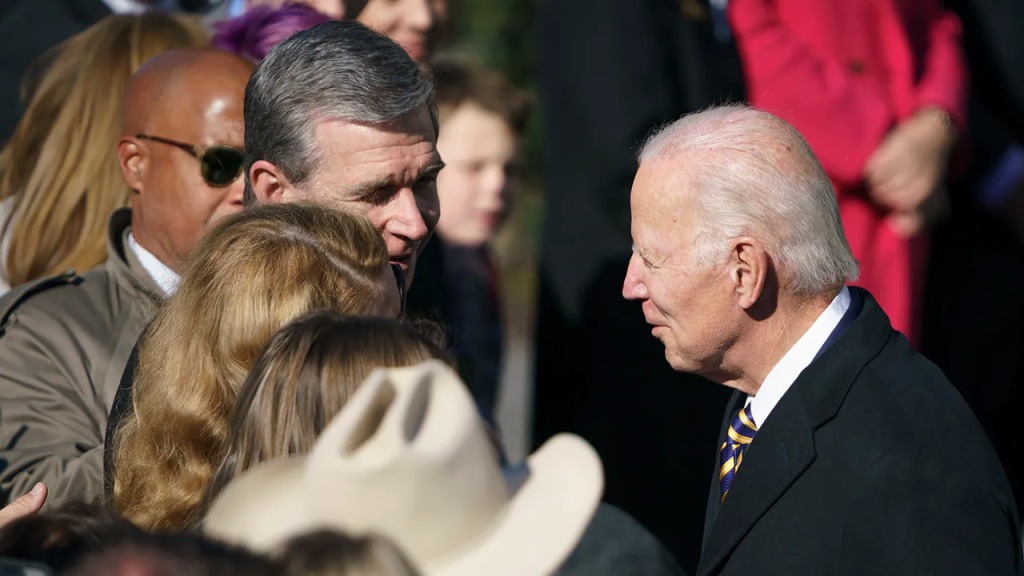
(678, 362)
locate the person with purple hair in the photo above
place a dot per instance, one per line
(260, 28)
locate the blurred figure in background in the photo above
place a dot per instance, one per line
(415, 24)
(66, 339)
(482, 120)
(879, 91)
(251, 276)
(973, 307)
(59, 179)
(260, 28)
(28, 28)
(335, 9)
(610, 72)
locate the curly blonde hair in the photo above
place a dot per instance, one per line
(250, 276)
(59, 169)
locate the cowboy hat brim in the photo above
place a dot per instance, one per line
(540, 526)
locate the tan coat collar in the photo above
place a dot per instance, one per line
(122, 263)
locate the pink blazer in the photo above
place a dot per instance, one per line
(844, 72)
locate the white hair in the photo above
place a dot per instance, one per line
(752, 174)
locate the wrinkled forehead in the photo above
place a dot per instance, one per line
(365, 154)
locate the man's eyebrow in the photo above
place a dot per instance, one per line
(365, 188)
(432, 168)
(369, 187)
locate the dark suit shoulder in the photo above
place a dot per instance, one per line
(615, 543)
(902, 404)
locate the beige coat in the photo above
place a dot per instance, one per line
(64, 342)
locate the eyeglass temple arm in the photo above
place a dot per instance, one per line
(193, 150)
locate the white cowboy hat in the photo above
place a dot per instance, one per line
(408, 458)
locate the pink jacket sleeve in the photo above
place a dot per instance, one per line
(842, 116)
(944, 80)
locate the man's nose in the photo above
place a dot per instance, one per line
(633, 287)
(405, 219)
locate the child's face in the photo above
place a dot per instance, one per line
(478, 181)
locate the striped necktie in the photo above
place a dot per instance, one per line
(741, 434)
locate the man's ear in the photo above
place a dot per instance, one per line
(132, 160)
(269, 184)
(748, 269)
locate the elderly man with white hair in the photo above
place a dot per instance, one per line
(857, 455)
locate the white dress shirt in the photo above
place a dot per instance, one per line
(799, 357)
(165, 278)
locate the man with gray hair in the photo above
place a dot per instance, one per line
(340, 115)
(858, 456)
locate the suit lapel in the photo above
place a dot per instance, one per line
(781, 451)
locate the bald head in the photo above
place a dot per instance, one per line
(180, 105)
(183, 80)
(747, 172)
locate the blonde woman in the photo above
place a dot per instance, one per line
(59, 178)
(303, 377)
(250, 276)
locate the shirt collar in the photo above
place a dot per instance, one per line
(165, 278)
(799, 357)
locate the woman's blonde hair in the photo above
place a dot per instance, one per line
(250, 276)
(60, 166)
(303, 377)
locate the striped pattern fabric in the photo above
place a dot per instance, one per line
(740, 435)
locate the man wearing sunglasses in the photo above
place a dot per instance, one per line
(353, 127)
(64, 341)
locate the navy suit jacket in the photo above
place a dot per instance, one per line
(871, 463)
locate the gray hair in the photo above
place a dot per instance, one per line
(338, 70)
(751, 173)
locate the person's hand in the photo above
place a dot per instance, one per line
(25, 506)
(933, 209)
(910, 164)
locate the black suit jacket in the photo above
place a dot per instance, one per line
(871, 463)
(28, 28)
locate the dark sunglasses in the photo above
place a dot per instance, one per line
(400, 279)
(219, 165)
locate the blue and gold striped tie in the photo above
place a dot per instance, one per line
(740, 433)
